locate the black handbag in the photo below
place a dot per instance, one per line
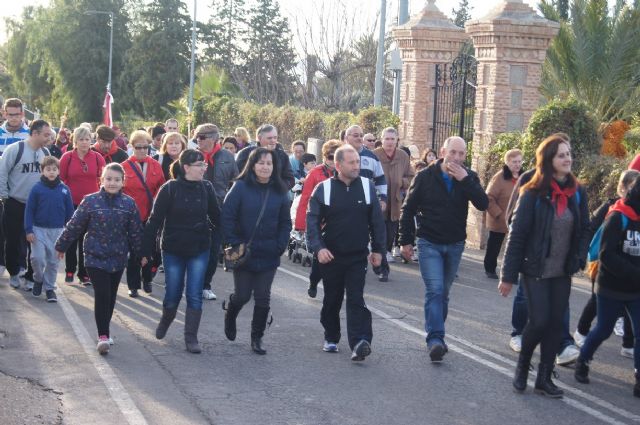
(237, 255)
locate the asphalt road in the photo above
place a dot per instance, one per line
(50, 372)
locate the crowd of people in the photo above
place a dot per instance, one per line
(159, 201)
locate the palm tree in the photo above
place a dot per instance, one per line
(595, 58)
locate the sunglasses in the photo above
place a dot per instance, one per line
(139, 148)
(330, 157)
(205, 136)
(370, 140)
(85, 167)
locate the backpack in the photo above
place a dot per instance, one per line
(326, 187)
(594, 248)
(21, 151)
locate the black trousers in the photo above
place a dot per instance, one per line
(392, 232)
(547, 300)
(340, 276)
(74, 257)
(494, 244)
(314, 276)
(589, 313)
(15, 238)
(136, 273)
(214, 252)
(105, 288)
(246, 282)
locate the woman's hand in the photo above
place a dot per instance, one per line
(60, 255)
(31, 238)
(504, 288)
(143, 261)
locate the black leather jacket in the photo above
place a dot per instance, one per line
(529, 239)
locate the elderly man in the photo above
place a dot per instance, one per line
(346, 208)
(221, 170)
(267, 137)
(439, 198)
(398, 172)
(107, 146)
(369, 141)
(369, 163)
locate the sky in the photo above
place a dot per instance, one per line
(298, 11)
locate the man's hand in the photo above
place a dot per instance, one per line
(375, 258)
(325, 256)
(504, 288)
(143, 261)
(60, 255)
(407, 252)
(383, 206)
(31, 238)
(456, 171)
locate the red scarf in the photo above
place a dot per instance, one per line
(107, 156)
(208, 156)
(625, 209)
(560, 197)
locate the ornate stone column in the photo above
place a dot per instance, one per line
(429, 37)
(511, 44)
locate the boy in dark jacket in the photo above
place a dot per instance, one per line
(49, 207)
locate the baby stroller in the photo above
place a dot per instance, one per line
(298, 251)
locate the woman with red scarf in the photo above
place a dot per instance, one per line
(143, 178)
(547, 244)
(618, 280)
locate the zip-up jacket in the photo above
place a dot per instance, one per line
(529, 240)
(151, 172)
(286, 173)
(113, 229)
(48, 207)
(371, 168)
(222, 173)
(441, 215)
(347, 224)
(8, 137)
(318, 174)
(619, 272)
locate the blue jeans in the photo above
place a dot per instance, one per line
(438, 266)
(608, 312)
(520, 315)
(175, 269)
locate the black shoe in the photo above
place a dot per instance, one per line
(636, 388)
(384, 277)
(582, 371)
(51, 296)
(148, 287)
(230, 315)
(544, 384)
(37, 289)
(68, 277)
(133, 293)
(522, 374)
(256, 346)
(360, 351)
(492, 275)
(313, 290)
(258, 325)
(436, 352)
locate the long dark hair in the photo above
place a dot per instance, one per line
(541, 180)
(632, 198)
(248, 174)
(187, 157)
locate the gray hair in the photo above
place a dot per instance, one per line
(388, 130)
(348, 130)
(446, 143)
(265, 128)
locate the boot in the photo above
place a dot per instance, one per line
(522, 373)
(636, 388)
(544, 385)
(230, 315)
(258, 325)
(582, 371)
(191, 325)
(168, 314)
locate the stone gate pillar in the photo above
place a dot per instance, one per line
(511, 44)
(428, 38)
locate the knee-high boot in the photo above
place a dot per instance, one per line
(168, 314)
(230, 315)
(191, 325)
(258, 325)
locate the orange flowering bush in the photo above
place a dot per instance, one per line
(613, 136)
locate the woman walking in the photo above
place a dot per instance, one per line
(143, 178)
(256, 213)
(113, 230)
(172, 145)
(183, 208)
(547, 243)
(80, 170)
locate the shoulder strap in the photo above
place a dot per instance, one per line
(264, 206)
(326, 187)
(20, 152)
(367, 190)
(144, 184)
(625, 222)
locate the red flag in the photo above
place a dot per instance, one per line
(108, 118)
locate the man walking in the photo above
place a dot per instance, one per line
(346, 207)
(439, 199)
(267, 137)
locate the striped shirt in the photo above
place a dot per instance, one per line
(8, 137)
(371, 168)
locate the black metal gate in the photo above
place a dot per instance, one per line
(454, 100)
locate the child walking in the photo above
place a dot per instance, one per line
(49, 207)
(113, 229)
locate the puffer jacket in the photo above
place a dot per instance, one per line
(113, 229)
(529, 239)
(240, 213)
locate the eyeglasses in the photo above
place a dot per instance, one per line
(140, 148)
(16, 115)
(205, 136)
(198, 164)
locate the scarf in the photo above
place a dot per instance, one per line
(107, 156)
(560, 196)
(625, 209)
(208, 156)
(51, 184)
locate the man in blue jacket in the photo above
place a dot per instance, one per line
(439, 198)
(343, 215)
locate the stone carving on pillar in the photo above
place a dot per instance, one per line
(511, 44)
(429, 37)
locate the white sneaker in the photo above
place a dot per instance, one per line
(208, 294)
(619, 329)
(28, 285)
(15, 281)
(111, 341)
(626, 352)
(390, 258)
(516, 343)
(579, 338)
(568, 355)
(22, 272)
(330, 347)
(396, 251)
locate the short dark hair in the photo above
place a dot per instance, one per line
(308, 157)
(105, 133)
(50, 160)
(12, 102)
(232, 140)
(632, 197)
(187, 157)
(249, 175)
(299, 143)
(37, 125)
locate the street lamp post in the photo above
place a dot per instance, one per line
(100, 12)
(193, 68)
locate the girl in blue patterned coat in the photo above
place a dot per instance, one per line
(113, 229)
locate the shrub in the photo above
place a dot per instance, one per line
(600, 176)
(613, 134)
(631, 141)
(495, 156)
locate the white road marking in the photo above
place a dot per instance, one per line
(504, 370)
(118, 393)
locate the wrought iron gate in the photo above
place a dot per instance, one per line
(454, 100)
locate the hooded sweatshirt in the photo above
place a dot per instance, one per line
(17, 181)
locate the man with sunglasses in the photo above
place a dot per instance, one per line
(221, 171)
(369, 141)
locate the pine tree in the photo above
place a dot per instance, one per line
(462, 14)
(226, 26)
